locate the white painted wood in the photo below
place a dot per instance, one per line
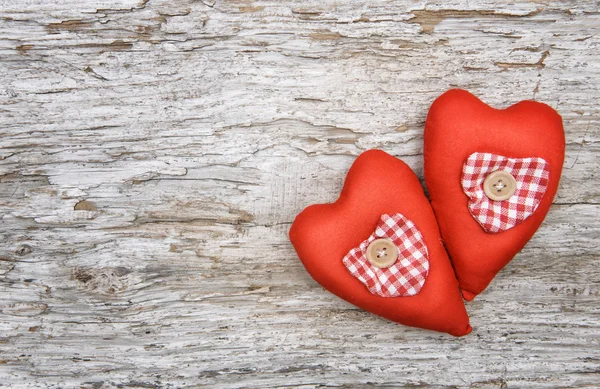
(154, 153)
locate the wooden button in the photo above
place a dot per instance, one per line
(382, 253)
(499, 185)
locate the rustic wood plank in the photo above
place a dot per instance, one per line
(154, 153)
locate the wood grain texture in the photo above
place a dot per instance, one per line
(154, 153)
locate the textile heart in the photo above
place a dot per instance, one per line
(323, 234)
(531, 176)
(526, 140)
(407, 275)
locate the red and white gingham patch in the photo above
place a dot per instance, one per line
(407, 275)
(532, 177)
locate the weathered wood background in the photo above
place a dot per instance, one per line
(154, 153)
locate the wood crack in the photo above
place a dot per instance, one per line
(512, 65)
(429, 19)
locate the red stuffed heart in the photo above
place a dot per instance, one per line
(486, 222)
(382, 201)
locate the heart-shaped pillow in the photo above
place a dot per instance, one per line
(378, 247)
(491, 175)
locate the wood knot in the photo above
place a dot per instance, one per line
(107, 280)
(23, 250)
(85, 205)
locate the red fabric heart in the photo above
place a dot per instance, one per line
(379, 184)
(458, 125)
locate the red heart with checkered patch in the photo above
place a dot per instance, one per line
(466, 140)
(382, 199)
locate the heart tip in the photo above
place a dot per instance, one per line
(469, 329)
(464, 332)
(469, 296)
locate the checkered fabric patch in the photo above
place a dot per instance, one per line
(407, 275)
(532, 177)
